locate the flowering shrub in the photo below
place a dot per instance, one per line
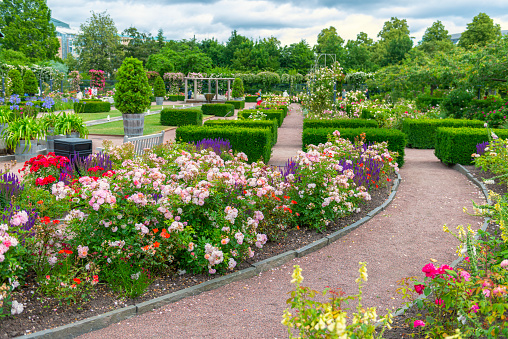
(97, 79)
(321, 86)
(43, 170)
(314, 319)
(75, 79)
(175, 82)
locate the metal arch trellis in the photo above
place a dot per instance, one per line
(316, 66)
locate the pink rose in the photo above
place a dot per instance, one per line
(429, 270)
(418, 323)
(419, 288)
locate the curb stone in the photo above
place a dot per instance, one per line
(103, 320)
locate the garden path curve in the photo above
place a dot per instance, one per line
(396, 243)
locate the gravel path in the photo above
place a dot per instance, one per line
(396, 243)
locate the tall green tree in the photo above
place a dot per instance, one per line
(329, 42)
(99, 44)
(215, 51)
(27, 29)
(394, 42)
(479, 32)
(140, 46)
(160, 38)
(358, 54)
(297, 56)
(436, 39)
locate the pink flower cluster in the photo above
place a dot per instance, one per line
(19, 218)
(6, 241)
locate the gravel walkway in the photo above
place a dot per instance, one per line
(396, 243)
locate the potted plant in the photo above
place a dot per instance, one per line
(48, 123)
(237, 90)
(132, 96)
(72, 125)
(6, 116)
(20, 134)
(159, 90)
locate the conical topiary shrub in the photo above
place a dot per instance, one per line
(14, 83)
(132, 96)
(237, 91)
(159, 90)
(30, 83)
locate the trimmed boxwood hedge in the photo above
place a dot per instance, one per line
(272, 114)
(274, 107)
(253, 98)
(455, 145)
(421, 133)
(395, 138)
(339, 123)
(175, 97)
(238, 104)
(255, 142)
(424, 101)
(92, 106)
(219, 110)
(271, 124)
(181, 117)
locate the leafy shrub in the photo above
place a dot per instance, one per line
(238, 104)
(271, 124)
(270, 114)
(395, 138)
(132, 89)
(421, 133)
(219, 110)
(237, 91)
(256, 143)
(424, 101)
(159, 89)
(254, 98)
(14, 83)
(92, 106)
(338, 123)
(30, 83)
(456, 102)
(181, 117)
(174, 97)
(456, 145)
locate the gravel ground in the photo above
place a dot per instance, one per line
(396, 243)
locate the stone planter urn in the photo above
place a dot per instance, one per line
(159, 100)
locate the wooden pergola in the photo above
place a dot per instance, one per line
(195, 92)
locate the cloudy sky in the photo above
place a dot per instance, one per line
(288, 20)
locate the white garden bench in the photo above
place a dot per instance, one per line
(142, 142)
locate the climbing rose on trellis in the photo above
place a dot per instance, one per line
(97, 79)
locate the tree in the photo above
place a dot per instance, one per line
(358, 53)
(14, 58)
(214, 50)
(436, 32)
(27, 29)
(159, 89)
(298, 57)
(30, 83)
(141, 45)
(160, 38)
(159, 63)
(99, 44)
(479, 32)
(132, 90)
(329, 42)
(394, 42)
(237, 90)
(14, 83)
(267, 54)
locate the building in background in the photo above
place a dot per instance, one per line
(66, 36)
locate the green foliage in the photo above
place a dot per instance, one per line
(14, 83)
(26, 128)
(436, 32)
(255, 143)
(175, 97)
(141, 45)
(479, 32)
(219, 110)
(68, 122)
(238, 104)
(267, 79)
(272, 114)
(98, 44)
(159, 63)
(237, 91)
(159, 89)
(395, 138)
(132, 89)
(27, 29)
(424, 101)
(253, 98)
(421, 133)
(271, 124)
(456, 145)
(457, 101)
(338, 123)
(181, 117)
(92, 106)
(329, 42)
(30, 86)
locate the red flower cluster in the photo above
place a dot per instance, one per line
(95, 169)
(50, 160)
(45, 181)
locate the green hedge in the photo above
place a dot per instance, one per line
(455, 145)
(395, 138)
(339, 123)
(255, 142)
(219, 110)
(272, 114)
(181, 117)
(92, 106)
(273, 107)
(421, 133)
(253, 98)
(424, 101)
(238, 104)
(175, 97)
(271, 124)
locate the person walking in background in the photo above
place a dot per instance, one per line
(259, 98)
(367, 94)
(343, 94)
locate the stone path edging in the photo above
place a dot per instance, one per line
(103, 320)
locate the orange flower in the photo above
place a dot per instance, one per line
(56, 222)
(297, 227)
(293, 202)
(286, 197)
(40, 202)
(156, 244)
(65, 251)
(77, 281)
(165, 234)
(155, 230)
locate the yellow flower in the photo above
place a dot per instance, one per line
(363, 271)
(297, 276)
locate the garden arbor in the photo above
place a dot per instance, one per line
(195, 90)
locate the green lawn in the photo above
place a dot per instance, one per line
(152, 125)
(116, 113)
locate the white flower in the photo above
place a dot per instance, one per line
(17, 308)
